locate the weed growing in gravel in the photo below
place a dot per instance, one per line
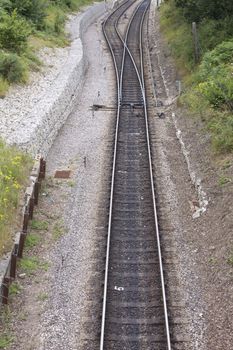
(31, 264)
(230, 259)
(39, 225)
(71, 183)
(5, 340)
(5, 335)
(212, 260)
(58, 230)
(42, 296)
(15, 288)
(223, 180)
(32, 240)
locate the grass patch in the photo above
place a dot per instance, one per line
(71, 183)
(230, 259)
(212, 260)
(32, 240)
(39, 225)
(58, 230)
(4, 86)
(42, 296)
(15, 288)
(14, 172)
(31, 264)
(5, 340)
(223, 180)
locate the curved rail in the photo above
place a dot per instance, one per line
(142, 86)
(154, 203)
(113, 177)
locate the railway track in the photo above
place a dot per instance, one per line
(134, 314)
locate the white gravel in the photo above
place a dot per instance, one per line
(31, 116)
(21, 100)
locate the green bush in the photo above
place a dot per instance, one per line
(221, 128)
(4, 86)
(14, 33)
(208, 86)
(32, 10)
(54, 22)
(12, 68)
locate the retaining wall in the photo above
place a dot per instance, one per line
(43, 123)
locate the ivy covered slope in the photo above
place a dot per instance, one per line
(25, 27)
(209, 84)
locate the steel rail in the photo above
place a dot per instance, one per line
(126, 49)
(111, 192)
(154, 201)
(142, 85)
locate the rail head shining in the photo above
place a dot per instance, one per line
(142, 85)
(154, 200)
(112, 186)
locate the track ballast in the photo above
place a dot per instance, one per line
(134, 314)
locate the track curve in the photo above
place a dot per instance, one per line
(134, 312)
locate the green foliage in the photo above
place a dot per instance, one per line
(5, 340)
(179, 36)
(15, 288)
(42, 296)
(14, 33)
(32, 10)
(196, 10)
(12, 68)
(209, 86)
(223, 180)
(32, 240)
(39, 225)
(58, 230)
(4, 86)
(54, 22)
(221, 127)
(25, 27)
(30, 264)
(230, 259)
(14, 171)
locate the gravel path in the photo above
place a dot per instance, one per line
(48, 314)
(85, 134)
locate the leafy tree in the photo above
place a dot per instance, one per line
(32, 10)
(14, 33)
(196, 10)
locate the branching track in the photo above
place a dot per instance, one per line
(134, 314)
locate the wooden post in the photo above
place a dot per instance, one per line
(5, 290)
(36, 192)
(196, 42)
(13, 261)
(21, 244)
(42, 169)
